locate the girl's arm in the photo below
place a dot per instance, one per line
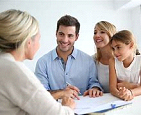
(120, 92)
(113, 78)
(137, 91)
(127, 85)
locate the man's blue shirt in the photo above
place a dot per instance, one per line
(80, 71)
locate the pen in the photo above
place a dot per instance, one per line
(113, 106)
(72, 85)
(68, 83)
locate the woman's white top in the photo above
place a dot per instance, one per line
(130, 74)
(103, 75)
(21, 93)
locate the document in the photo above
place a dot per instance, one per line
(103, 103)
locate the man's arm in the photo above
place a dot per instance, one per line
(41, 72)
(57, 94)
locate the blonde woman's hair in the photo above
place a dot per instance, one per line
(110, 29)
(15, 28)
(126, 37)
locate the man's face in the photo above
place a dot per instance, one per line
(66, 38)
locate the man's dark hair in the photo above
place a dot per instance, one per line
(68, 20)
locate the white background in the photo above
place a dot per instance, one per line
(124, 14)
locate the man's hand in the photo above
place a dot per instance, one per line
(71, 91)
(94, 92)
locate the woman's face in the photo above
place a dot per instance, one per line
(100, 37)
(32, 46)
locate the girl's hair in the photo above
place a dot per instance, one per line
(109, 28)
(15, 28)
(126, 37)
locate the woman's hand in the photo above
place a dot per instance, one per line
(93, 92)
(67, 101)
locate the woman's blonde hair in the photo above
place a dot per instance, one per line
(15, 28)
(110, 29)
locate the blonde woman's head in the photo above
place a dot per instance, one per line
(15, 28)
(109, 28)
(103, 27)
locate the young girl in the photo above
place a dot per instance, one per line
(124, 69)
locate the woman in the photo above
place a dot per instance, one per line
(103, 32)
(21, 93)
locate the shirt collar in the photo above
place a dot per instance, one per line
(55, 56)
(74, 53)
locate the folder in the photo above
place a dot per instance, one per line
(99, 104)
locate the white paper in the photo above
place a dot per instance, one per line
(89, 105)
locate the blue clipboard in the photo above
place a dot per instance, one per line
(111, 107)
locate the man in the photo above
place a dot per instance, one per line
(67, 65)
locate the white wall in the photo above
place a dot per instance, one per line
(136, 24)
(88, 12)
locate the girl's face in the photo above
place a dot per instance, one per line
(101, 38)
(121, 50)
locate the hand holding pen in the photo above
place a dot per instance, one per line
(75, 90)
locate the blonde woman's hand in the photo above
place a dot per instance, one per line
(93, 92)
(67, 101)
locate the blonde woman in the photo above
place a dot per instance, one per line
(21, 93)
(103, 32)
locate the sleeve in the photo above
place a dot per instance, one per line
(28, 94)
(42, 103)
(42, 73)
(93, 77)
